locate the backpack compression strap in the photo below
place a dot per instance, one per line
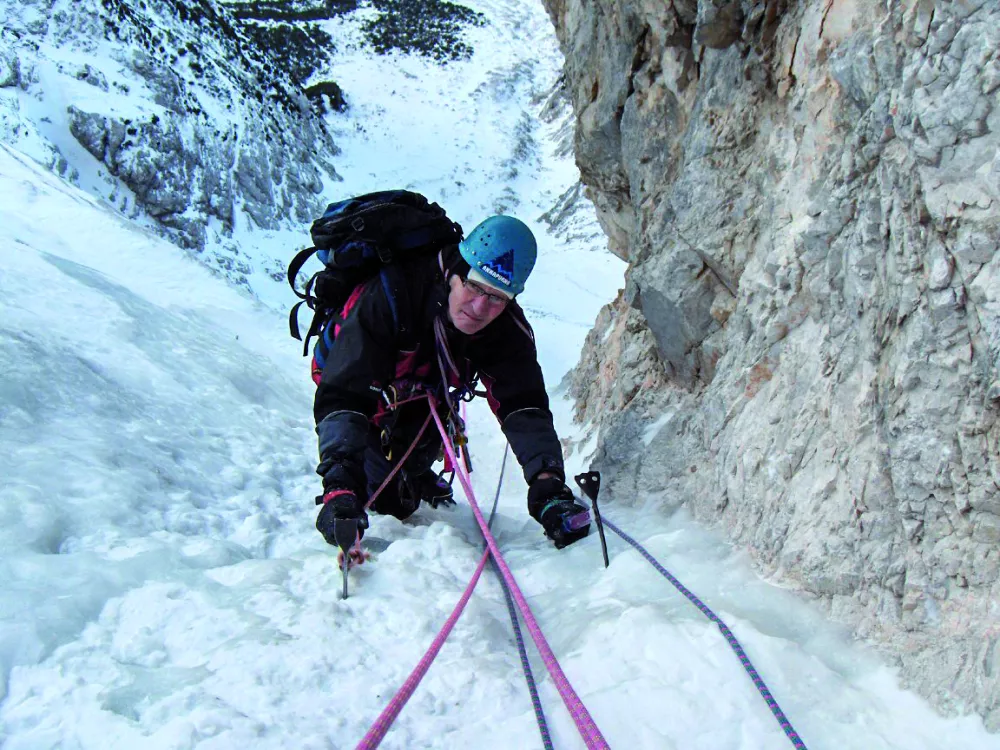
(306, 297)
(293, 271)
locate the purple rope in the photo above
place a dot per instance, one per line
(772, 704)
(585, 724)
(529, 677)
(378, 730)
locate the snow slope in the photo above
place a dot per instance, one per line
(162, 586)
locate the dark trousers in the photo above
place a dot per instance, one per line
(387, 446)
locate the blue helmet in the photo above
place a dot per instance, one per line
(502, 250)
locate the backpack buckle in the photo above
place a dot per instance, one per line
(384, 254)
(358, 223)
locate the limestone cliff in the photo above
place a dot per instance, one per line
(807, 348)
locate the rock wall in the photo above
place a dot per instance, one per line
(807, 348)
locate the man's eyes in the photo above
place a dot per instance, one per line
(483, 293)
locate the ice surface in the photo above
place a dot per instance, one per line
(161, 585)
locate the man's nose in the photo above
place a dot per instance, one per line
(481, 305)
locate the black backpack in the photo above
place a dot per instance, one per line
(356, 239)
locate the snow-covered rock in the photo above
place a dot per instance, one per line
(191, 119)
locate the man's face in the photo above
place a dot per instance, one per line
(473, 306)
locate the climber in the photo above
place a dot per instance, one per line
(441, 323)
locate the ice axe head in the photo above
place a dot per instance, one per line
(590, 483)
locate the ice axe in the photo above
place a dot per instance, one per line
(590, 484)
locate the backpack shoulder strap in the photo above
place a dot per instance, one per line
(397, 293)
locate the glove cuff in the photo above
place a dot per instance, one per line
(550, 467)
(331, 494)
(544, 492)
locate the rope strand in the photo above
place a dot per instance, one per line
(443, 355)
(588, 729)
(591, 735)
(585, 724)
(399, 464)
(758, 681)
(522, 651)
(378, 730)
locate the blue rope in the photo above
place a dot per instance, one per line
(496, 497)
(536, 702)
(772, 704)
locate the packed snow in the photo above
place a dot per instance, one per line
(162, 585)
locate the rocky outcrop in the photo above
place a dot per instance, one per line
(199, 120)
(206, 116)
(807, 349)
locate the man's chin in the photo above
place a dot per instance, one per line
(468, 325)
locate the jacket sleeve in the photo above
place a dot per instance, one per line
(361, 361)
(507, 362)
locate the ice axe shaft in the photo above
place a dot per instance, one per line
(590, 484)
(345, 533)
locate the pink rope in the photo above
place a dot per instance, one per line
(378, 730)
(591, 735)
(399, 464)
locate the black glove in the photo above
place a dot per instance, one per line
(344, 509)
(552, 504)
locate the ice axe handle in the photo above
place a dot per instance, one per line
(590, 484)
(345, 533)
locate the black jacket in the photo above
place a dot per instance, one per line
(387, 335)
